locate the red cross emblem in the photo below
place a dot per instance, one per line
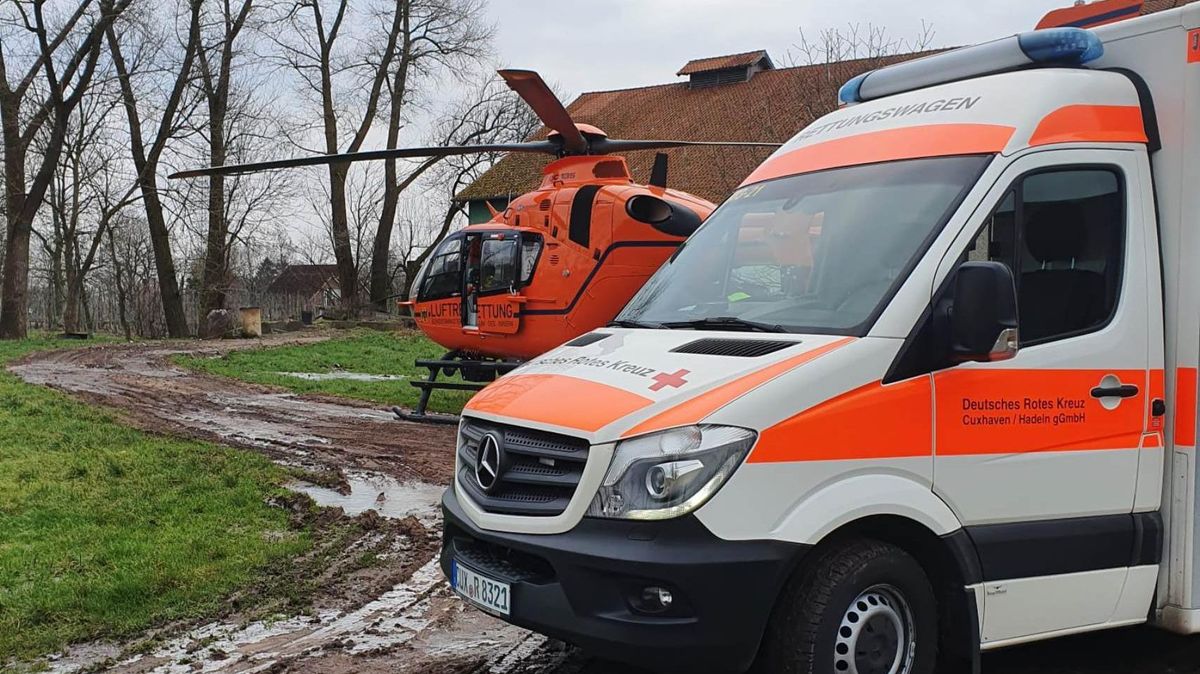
(674, 379)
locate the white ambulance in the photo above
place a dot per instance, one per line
(924, 386)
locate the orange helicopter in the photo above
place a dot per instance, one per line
(556, 263)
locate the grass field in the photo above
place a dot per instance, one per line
(105, 530)
(367, 352)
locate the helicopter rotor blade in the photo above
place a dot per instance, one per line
(610, 145)
(534, 91)
(544, 146)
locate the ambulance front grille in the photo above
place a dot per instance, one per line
(538, 471)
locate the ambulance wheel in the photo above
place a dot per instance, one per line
(859, 607)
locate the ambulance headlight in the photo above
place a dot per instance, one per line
(669, 474)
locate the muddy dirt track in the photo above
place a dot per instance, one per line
(397, 616)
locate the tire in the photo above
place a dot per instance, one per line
(845, 613)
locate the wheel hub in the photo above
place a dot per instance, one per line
(876, 635)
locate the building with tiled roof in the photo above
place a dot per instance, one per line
(739, 97)
(305, 279)
(302, 291)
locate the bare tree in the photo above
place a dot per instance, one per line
(251, 203)
(89, 188)
(146, 156)
(215, 58)
(66, 60)
(126, 286)
(363, 203)
(435, 34)
(348, 56)
(312, 56)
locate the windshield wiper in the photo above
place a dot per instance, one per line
(726, 323)
(626, 323)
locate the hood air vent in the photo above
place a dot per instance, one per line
(590, 338)
(738, 348)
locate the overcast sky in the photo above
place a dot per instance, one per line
(590, 45)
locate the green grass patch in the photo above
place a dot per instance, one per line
(105, 530)
(368, 352)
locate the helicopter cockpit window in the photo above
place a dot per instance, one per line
(498, 264)
(443, 275)
(531, 247)
(818, 252)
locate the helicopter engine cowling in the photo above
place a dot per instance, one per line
(666, 217)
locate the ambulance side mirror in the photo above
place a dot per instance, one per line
(983, 318)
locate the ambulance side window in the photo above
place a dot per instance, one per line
(1062, 233)
(996, 239)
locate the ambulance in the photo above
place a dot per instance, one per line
(923, 387)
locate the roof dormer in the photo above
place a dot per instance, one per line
(730, 69)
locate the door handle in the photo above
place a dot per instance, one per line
(1122, 391)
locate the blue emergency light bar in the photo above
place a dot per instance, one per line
(1053, 46)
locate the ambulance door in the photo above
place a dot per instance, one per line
(1038, 455)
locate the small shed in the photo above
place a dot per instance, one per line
(302, 288)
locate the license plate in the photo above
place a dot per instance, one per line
(488, 594)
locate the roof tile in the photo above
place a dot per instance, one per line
(711, 63)
(1152, 6)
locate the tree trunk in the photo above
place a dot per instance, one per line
(57, 284)
(381, 277)
(164, 262)
(216, 258)
(215, 277)
(147, 168)
(112, 253)
(73, 307)
(14, 292)
(16, 241)
(343, 253)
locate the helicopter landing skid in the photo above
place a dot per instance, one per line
(477, 373)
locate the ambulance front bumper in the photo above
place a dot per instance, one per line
(587, 587)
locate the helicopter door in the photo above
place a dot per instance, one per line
(471, 276)
(493, 280)
(438, 285)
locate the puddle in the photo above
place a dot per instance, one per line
(340, 374)
(405, 615)
(385, 495)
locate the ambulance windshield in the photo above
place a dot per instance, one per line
(818, 252)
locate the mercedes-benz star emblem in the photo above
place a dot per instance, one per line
(487, 465)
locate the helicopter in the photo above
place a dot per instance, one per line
(555, 264)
